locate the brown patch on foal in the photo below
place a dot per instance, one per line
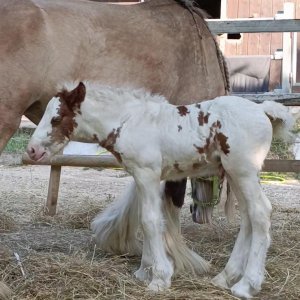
(110, 142)
(177, 168)
(222, 139)
(197, 165)
(217, 137)
(203, 119)
(216, 124)
(64, 124)
(183, 110)
(203, 149)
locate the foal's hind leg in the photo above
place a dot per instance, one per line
(259, 211)
(235, 266)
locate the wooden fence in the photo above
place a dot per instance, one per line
(253, 25)
(216, 26)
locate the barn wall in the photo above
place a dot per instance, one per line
(258, 43)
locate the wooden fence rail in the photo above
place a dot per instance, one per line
(108, 161)
(285, 99)
(253, 25)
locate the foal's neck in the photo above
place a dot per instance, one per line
(106, 109)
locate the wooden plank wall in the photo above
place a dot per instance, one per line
(260, 43)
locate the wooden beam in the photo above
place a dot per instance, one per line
(92, 161)
(253, 25)
(278, 165)
(108, 161)
(286, 99)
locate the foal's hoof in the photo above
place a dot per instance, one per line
(220, 281)
(143, 275)
(243, 289)
(158, 285)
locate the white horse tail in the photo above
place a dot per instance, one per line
(184, 259)
(115, 229)
(227, 200)
(282, 120)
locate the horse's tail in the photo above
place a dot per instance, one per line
(184, 259)
(282, 120)
(115, 229)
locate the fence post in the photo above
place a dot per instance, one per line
(53, 189)
(287, 51)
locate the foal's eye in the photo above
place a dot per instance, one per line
(55, 121)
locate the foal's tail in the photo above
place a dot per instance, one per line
(282, 120)
(116, 231)
(184, 259)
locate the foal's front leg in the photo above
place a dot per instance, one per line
(155, 264)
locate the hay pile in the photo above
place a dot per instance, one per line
(59, 270)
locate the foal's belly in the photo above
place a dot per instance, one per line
(179, 171)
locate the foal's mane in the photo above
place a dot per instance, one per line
(107, 94)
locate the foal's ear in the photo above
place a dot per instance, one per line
(73, 98)
(77, 95)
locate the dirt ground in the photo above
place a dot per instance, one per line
(49, 247)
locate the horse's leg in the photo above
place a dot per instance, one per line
(235, 266)
(115, 228)
(259, 210)
(176, 191)
(154, 257)
(9, 123)
(10, 120)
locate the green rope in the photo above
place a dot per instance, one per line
(268, 178)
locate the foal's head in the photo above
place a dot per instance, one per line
(58, 123)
